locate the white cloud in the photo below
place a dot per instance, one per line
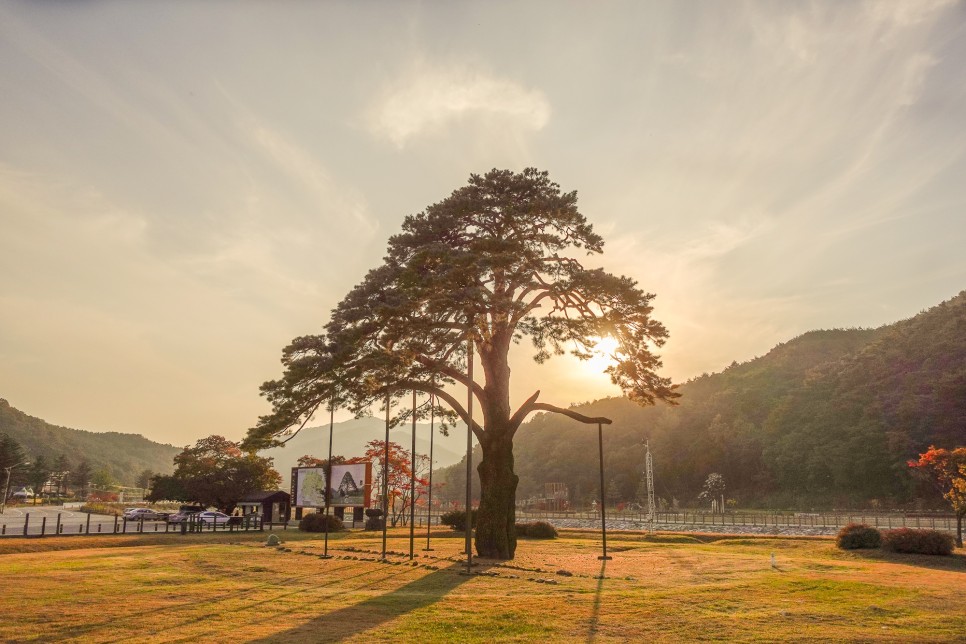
(904, 14)
(302, 166)
(429, 98)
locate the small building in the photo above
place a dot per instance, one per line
(271, 506)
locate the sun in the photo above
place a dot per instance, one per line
(603, 356)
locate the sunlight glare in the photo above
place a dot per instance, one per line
(603, 354)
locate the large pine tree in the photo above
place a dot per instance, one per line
(492, 263)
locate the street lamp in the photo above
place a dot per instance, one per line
(603, 497)
(6, 485)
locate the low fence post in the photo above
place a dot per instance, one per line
(43, 526)
(58, 524)
(88, 530)
(26, 522)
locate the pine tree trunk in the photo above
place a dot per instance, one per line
(495, 522)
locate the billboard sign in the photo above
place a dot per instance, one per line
(351, 486)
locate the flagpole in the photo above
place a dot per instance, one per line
(328, 481)
(469, 452)
(432, 432)
(412, 487)
(385, 482)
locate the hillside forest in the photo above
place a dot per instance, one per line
(107, 456)
(829, 419)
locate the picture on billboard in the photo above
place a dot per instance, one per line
(350, 485)
(309, 487)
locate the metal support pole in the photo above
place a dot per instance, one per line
(385, 482)
(412, 487)
(328, 481)
(603, 499)
(469, 453)
(432, 432)
(6, 485)
(6, 489)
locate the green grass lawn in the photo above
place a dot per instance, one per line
(219, 588)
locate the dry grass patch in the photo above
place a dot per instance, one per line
(231, 587)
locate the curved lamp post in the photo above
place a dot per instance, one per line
(603, 499)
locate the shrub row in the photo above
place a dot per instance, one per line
(317, 522)
(536, 530)
(907, 540)
(858, 535)
(923, 542)
(456, 519)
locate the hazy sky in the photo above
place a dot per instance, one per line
(185, 187)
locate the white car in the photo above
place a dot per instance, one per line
(217, 518)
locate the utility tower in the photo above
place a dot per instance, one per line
(649, 475)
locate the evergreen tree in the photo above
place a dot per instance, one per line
(472, 275)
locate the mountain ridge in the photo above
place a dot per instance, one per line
(124, 455)
(828, 418)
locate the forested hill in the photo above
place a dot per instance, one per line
(123, 455)
(827, 419)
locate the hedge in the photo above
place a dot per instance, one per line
(536, 530)
(316, 522)
(922, 542)
(858, 535)
(456, 519)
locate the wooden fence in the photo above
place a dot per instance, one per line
(45, 527)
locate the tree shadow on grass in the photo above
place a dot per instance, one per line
(595, 613)
(955, 562)
(365, 615)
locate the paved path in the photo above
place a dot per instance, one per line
(641, 526)
(44, 517)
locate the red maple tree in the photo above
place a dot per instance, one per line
(400, 476)
(947, 470)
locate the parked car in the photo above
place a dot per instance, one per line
(145, 514)
(178, 517)
(184, 512)
(217, 518)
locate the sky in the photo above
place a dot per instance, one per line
(185, 187)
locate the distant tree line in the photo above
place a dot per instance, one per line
(214, 472)
(66, 477)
